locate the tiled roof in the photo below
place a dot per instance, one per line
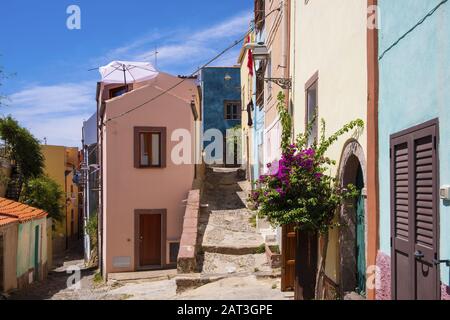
(5, 220)
(20, 211)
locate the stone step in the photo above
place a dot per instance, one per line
(194, 280)
(186, 282)
(152, 275)
(216, 263)
(231, 250)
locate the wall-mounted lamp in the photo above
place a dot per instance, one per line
(259, 51)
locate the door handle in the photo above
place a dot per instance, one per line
(419, 254)
(141, 238)
(437, 262)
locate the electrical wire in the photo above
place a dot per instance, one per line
(235, 43)
(179, 82)
(429, 14)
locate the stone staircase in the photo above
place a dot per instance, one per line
(228, 245)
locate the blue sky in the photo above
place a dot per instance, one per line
(50, 90)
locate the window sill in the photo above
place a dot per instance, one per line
(150, 167)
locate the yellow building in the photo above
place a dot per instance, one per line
(329, 71)
(247, 110)
(60, 163)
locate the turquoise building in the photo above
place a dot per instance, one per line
(221, 101)
(414, 149)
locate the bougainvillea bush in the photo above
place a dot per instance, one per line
(299, 189)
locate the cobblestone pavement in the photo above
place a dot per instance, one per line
(55, 287)
(246, 287)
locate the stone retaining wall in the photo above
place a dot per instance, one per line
(186, 262)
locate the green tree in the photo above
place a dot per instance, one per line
(45, 194)
(92, 230)
(22, 147)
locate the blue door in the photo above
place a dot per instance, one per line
(360, 235)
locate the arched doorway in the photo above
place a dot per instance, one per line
(352, 234)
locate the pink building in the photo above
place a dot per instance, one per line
(144, 187)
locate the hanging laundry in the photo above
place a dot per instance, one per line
(250, 108)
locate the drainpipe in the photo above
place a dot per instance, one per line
(372, 148)
(65, 204)
(285, 46)
(87, 243)
(100, 181)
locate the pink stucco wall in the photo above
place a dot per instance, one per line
(384, 291)
(384, 265)
(127, 188)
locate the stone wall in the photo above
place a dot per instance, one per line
(187, 262)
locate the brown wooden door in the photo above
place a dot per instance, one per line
(288, 257)
(150, 240)
(414, 213)
(305, 265)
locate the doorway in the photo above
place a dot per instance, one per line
(415, 213)
(352, 233)
(150, 249)
(36, 252)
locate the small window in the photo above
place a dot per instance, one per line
(149, 147)
(260, 74)
(312, 108)
(174, 248)
(116, 92)
(232, 110)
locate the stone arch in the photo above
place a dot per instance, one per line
(352, 160)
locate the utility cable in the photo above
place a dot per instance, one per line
(235, 43)
(429, 14)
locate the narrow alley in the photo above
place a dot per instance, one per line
(232, 261)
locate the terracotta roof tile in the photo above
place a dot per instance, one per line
(20, 211)
(5, 220)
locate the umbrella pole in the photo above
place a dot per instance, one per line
(124, 75)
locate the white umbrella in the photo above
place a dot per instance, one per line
(127, 71)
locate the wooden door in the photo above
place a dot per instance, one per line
(36, 252)
(150, 240)
(414, 213)
(288, 257)
(306, 265)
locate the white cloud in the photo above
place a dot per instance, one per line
(61, 98)
(235, 26)
(185, 50)
(55, 112)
